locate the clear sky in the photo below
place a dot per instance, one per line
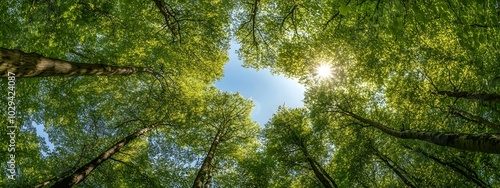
(266, 90)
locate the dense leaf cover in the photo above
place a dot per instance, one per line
(413, 98)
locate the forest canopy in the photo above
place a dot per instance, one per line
(399, 93)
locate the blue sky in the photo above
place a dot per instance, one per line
(266, 90)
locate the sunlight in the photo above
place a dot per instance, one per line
(324, 71)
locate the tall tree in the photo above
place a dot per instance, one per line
(78, 112)
(291, 140)
(81, 173)
(228, 115)
(452, 166)
(488, 143)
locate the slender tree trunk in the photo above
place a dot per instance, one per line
(487, 143)
(25, 65)
(198, 182)
(474, 118)
(80, 174)
(477, 181)
(65, 173)
(326, 174)
(318, 174)
(394, 168)
(471, 96)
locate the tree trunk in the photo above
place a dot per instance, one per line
(81, 173)
(198, 182)
(318, 174)
(326, 174)
(487, 143)
(394, 169)
(477, 181)
(474, 118)
(25, 65)
(209, 180)
(471, 96)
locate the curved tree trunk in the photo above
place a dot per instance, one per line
(25, 65)
(487, 143)
(200, 178)
(80, 174)
(471, 96)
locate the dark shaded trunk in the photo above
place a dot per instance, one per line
(394, 169)
(65, 173)
(80, 174)
(25, 65)
(204, 169)
(318, 174)
(170, 19)
(455, 168)
(487, 143)
(478, 119)
(471, 96)
(326, 174)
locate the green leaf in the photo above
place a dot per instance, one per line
(344, 9)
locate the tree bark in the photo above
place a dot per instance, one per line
(471, 96)
(209, 180)
(318, 174)
(25, 65)
(80, 174)
(198, 181)
(455, 168)
(487, 143)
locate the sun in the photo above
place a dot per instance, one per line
(324, 71)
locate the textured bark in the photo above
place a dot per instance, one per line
(487, 143)
(200, 178)
(318, 173)
(455, 168)
(209, 180)
(80, 174)
(471, 96)
(25, 65)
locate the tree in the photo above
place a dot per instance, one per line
(291, 140)
(488, 143)
(454, 167)
(79, 112)
(228, 115)
(81, 173)
(23, 64)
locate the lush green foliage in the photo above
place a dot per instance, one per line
(428, 66)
